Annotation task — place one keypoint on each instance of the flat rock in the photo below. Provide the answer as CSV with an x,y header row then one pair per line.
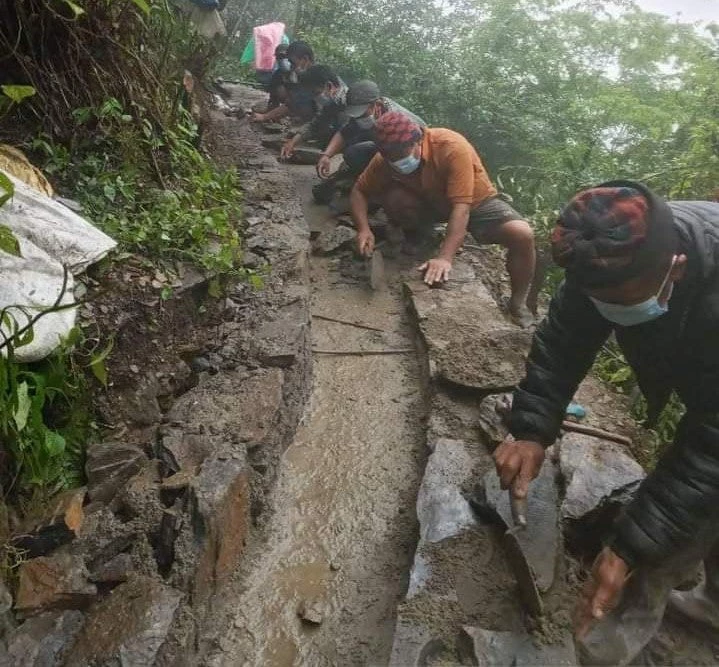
x,y
116,570
335,239
128,627
306,155
280,342
599,478
486,360
540,540
54,582
442,509
180,448
414,644
42,641
478,646
220,517
60,524
109,465
311,612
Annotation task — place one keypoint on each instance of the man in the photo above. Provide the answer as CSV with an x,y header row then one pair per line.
x,y
279,79
299,102
422,177
647,271
329,94
355,140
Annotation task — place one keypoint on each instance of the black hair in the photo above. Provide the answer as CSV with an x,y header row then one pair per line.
x,y
318,76
300,49
281,49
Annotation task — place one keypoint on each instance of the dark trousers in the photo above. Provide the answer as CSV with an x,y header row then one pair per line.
x,y
357,156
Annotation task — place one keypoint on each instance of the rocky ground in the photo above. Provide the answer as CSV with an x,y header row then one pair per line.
x,y
302,475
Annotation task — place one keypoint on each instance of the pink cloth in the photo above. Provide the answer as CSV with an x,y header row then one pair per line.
x,y
267,38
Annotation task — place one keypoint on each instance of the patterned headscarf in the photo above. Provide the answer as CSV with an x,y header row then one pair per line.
x,y
610,234
395,131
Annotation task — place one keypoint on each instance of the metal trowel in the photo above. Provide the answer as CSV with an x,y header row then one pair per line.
x,y
528,591
376,271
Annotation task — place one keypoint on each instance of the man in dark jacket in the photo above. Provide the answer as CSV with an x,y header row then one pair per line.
x,y
648,271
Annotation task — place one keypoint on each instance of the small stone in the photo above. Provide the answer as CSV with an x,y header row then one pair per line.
x,y
109,465
200,364
134,368
54,582
116,570
336,239
335,566
310,612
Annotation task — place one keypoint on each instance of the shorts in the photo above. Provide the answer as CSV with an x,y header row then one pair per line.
x,y
490,213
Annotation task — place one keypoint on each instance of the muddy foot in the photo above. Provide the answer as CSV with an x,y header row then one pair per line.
x,y
521,316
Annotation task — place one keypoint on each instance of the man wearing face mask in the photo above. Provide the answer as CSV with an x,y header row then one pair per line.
x,y
329,94
299,101
355,140
648,271
280,73
426,176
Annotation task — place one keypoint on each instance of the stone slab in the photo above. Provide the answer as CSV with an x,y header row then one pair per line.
x,y
442,509
109,465
596,473
128,627
41,641
540,540
479,646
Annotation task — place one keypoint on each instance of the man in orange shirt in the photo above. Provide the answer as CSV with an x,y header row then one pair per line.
x,y
421,177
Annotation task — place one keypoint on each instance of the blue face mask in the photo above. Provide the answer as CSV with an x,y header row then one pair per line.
x,y
406,165
639,313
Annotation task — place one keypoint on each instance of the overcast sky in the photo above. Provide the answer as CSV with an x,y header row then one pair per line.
x,y
688,10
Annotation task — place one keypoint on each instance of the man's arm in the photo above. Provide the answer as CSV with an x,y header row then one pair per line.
x,y
274,114
437,269
359,209
563,350
337,143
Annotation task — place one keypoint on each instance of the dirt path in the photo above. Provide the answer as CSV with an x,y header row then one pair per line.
x,y
344,528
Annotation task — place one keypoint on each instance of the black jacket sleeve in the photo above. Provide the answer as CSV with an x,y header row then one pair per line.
x,y
563,350
677,503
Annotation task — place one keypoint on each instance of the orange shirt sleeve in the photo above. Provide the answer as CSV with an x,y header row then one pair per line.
x,y
372,180
460,173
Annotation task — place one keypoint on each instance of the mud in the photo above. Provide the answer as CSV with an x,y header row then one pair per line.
x,y
343,528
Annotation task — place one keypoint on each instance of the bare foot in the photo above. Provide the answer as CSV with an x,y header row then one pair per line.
x,y
521,316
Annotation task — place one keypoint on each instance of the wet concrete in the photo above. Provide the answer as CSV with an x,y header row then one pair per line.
x,y
343,530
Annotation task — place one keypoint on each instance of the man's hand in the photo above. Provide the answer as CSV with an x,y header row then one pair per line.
x,y
602,592
257,117
288,149
518,462
324,166
436,270
365,242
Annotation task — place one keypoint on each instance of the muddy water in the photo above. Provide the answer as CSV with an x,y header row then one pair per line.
x,y
343,530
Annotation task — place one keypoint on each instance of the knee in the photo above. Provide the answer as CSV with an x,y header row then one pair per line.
x,y
518,235
358,156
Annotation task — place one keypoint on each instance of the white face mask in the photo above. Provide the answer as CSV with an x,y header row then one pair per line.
x,y
639,313
407,165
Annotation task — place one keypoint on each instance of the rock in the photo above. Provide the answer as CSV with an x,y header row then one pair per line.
x,y
492,410
42,641
539,541
311,612
140,496
441,508
129,627
335,239
478,646
170,525
219,508
305,155
7,620
486,360
200,364
174,486
116,570
280,342
59,526
414,644
109,465
599,478
54,582
181,449
462,272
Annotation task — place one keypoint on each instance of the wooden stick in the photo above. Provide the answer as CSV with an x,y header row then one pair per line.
x,y
363,353
348,322
597,432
